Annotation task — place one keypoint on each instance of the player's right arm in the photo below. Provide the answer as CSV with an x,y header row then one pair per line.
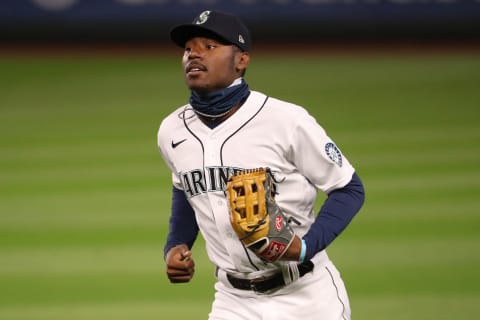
x,y
183,231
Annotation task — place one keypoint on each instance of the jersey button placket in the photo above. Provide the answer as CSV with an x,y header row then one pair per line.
x,y
211,153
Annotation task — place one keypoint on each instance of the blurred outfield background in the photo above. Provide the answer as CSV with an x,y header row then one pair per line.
x,y
85,196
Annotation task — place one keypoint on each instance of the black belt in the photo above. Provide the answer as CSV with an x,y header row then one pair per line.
x,y
264,284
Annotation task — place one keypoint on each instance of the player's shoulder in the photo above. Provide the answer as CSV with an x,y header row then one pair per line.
x,y
283,108
174,119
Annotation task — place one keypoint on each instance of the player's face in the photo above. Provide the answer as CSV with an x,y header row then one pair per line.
x,y
210,65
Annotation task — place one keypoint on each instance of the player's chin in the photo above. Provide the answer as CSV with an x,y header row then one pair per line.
x,y
198,86
194,77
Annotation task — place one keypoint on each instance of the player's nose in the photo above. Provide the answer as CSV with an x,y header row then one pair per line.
x,y
194,53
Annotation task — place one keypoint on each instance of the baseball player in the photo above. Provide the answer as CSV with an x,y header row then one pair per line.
x,y
226,131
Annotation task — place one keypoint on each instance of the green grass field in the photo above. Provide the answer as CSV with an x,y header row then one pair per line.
x,y
85,196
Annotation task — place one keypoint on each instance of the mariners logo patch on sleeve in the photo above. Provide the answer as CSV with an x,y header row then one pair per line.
x,y
334,153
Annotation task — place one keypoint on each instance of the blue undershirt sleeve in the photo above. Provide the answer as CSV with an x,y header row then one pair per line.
x,y
183,227
336,213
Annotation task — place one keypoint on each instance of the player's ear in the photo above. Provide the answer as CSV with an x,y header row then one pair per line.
x,y
242,61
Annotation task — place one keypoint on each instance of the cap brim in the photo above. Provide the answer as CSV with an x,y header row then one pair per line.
x,y
181,34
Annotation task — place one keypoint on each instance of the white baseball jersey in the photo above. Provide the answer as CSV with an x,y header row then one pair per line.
x,y
264,132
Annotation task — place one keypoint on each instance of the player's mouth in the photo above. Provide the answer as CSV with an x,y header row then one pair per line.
x,y
194,69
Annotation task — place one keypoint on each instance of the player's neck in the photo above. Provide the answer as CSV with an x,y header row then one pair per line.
x,y
215,107
212,122
218,103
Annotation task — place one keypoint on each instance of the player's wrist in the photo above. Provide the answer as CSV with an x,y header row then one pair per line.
x,y
303,251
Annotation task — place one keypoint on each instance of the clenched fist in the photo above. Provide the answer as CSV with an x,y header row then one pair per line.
x,y
180,265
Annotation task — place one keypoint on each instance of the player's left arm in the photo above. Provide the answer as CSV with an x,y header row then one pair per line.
x,y
322,162
335,215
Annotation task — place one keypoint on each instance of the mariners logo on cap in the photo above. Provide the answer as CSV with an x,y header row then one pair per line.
x,y
240,39
202,18
333,153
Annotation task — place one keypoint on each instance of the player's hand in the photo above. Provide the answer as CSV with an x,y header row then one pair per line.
x,y
180,265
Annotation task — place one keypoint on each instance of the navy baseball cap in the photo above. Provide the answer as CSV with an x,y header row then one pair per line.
x,y
222,26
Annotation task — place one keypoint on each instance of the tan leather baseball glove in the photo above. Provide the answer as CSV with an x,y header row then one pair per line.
x,y
255,216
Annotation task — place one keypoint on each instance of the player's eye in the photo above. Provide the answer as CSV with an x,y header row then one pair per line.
x,y
211,46
188,50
